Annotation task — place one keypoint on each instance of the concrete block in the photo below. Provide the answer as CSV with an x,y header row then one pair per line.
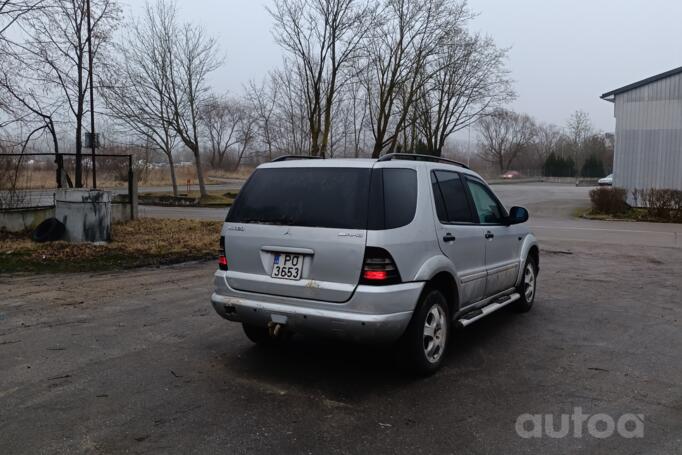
x,y
85,213
23,219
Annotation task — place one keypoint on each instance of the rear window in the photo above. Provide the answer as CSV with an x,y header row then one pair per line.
x,y
316,197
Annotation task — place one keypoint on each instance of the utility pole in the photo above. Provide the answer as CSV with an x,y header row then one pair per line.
x,y
93,137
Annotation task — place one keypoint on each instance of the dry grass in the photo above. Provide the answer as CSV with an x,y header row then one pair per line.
x,y
45,178
137,243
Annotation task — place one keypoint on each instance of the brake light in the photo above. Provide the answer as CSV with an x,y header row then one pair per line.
x,y
375,275
222,259
379,268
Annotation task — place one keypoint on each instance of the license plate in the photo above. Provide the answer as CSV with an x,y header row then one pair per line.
x,y
287,266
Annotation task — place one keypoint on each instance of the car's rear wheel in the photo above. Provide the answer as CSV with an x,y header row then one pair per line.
x,y
258,334
424,343
528,286
261,335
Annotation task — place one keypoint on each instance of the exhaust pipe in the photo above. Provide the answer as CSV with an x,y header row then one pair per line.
x,y
275,329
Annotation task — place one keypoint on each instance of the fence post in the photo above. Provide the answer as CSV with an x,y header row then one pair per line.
x,y
60,169
132,189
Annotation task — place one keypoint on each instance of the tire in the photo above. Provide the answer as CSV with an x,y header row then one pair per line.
x,y
48,231
258,334
423,352
528,287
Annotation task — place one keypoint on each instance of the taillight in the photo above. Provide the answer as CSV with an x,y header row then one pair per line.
x,y
379,268
222,259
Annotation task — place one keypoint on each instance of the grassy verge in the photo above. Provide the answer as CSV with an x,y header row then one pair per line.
x,y
144,242
192,199
634,214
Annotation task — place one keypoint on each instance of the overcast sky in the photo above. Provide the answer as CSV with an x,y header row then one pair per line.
x,y
564,53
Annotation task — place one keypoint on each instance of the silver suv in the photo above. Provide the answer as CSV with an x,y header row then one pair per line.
x,y
394,249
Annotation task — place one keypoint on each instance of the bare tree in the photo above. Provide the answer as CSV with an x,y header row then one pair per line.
x,y
292,126
221,118
193,56
579,129
405,35
135,88
56,49
468,80
246,132
547,141
356,111
25,104
263,101
505,135
579,126
12,11
322,37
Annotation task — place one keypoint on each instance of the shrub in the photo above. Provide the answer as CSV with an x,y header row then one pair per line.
x,y
610,201
662,204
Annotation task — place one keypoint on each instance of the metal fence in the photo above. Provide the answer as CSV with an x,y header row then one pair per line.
x,y
30,179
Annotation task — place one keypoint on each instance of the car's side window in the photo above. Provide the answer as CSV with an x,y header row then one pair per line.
x,y
452,205
488,209
400,196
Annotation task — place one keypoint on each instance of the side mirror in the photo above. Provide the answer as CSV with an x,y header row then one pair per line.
x,y
517,215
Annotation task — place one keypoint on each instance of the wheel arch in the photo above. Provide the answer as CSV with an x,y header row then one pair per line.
x,y
446,283
439,271
530,248
534,252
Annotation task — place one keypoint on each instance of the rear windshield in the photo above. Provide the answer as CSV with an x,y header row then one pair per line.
x,y
319,197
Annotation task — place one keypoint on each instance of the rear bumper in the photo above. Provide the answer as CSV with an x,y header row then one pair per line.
x,y
373,313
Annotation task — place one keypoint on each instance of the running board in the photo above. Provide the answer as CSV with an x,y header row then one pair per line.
x,y
475,315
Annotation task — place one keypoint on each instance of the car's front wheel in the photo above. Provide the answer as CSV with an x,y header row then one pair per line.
x,y
528,286
424,343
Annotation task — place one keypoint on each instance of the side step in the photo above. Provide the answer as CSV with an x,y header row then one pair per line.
x,y
475,315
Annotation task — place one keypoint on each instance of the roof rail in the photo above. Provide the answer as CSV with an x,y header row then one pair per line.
x,y
418,157
295,157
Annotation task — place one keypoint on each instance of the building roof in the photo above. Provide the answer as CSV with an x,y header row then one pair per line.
x,y
608,96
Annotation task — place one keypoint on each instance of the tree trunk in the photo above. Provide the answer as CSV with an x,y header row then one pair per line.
x,y
200,172
79,148
376,152
174,181
239,158
314,143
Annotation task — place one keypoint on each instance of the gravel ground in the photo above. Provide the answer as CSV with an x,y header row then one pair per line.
x,y
138,361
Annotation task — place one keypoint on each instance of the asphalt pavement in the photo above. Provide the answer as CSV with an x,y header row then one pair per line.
x,y
138,362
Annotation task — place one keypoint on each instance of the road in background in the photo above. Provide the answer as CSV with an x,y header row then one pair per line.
x,y
552,210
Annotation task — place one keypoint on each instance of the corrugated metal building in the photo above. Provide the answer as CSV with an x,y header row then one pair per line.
x,y
648,151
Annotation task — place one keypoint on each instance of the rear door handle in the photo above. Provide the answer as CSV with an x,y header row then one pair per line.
x,y
489,235
449,238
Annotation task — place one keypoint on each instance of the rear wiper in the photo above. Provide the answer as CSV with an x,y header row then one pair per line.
x,y
277,222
